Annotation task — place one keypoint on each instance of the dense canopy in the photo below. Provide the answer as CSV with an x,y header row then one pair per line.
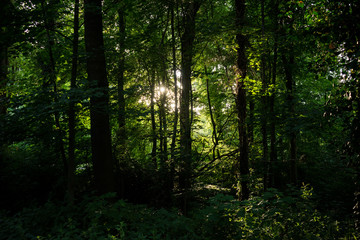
x,y
179,119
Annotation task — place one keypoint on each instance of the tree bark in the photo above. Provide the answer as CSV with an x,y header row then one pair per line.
x,y
120,88
3,78
99,100
163,128
176,113
264,100
187,40
241,68
215,138
164,85
49,27
288,65
273,153
153,122
72,111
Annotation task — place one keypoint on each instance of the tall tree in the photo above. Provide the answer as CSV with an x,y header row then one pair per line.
x,y
3,75
153,122
72,113
187,39
49,12
241,67
273,179
264,98
288,63
99,99
176,113
120,83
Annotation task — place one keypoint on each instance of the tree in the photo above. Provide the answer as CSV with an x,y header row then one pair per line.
x,y
72,120
99,110
120,83
242,161
187,40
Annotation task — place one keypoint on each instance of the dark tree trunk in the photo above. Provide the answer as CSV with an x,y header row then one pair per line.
x,y
187,40
153,122
163,121
174,131
72,111
99,100
121,94
274,178
241,67
274,168
121,135
163,86
355,136
49,27
215,138
5,41
251,120
264,99
3,78
288,65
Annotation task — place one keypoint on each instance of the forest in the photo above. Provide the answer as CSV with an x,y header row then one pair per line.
x,y
179,119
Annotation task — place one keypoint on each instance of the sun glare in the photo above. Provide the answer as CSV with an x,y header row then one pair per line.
x,y
178,73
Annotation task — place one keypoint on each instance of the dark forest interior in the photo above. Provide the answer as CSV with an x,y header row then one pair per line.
x,y
179,119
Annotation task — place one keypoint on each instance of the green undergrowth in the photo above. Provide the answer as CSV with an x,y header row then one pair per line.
x,y
274,215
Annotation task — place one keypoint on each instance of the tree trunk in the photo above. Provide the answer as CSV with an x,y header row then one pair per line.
x,y
99,100
3,78
215,138
49,27
163,86
273,153
174,132
241,67
264,99
288,65
187,40
153,122
250,126
121,95
163,128
72,113
273,171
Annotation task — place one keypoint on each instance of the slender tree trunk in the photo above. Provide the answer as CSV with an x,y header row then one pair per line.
x,y
273,153
241,67
251,120
274,175
72,113
49,27
4,7
99,101
163,128
174,132
288,65
164,84
187,40
5,40
213,123
356,145
3,78
120,88
264,99
153,122
121,135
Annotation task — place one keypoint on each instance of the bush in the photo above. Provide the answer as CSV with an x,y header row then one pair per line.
x,y
275,215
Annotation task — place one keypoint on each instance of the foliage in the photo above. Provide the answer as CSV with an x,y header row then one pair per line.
x,y
303,97
275,215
